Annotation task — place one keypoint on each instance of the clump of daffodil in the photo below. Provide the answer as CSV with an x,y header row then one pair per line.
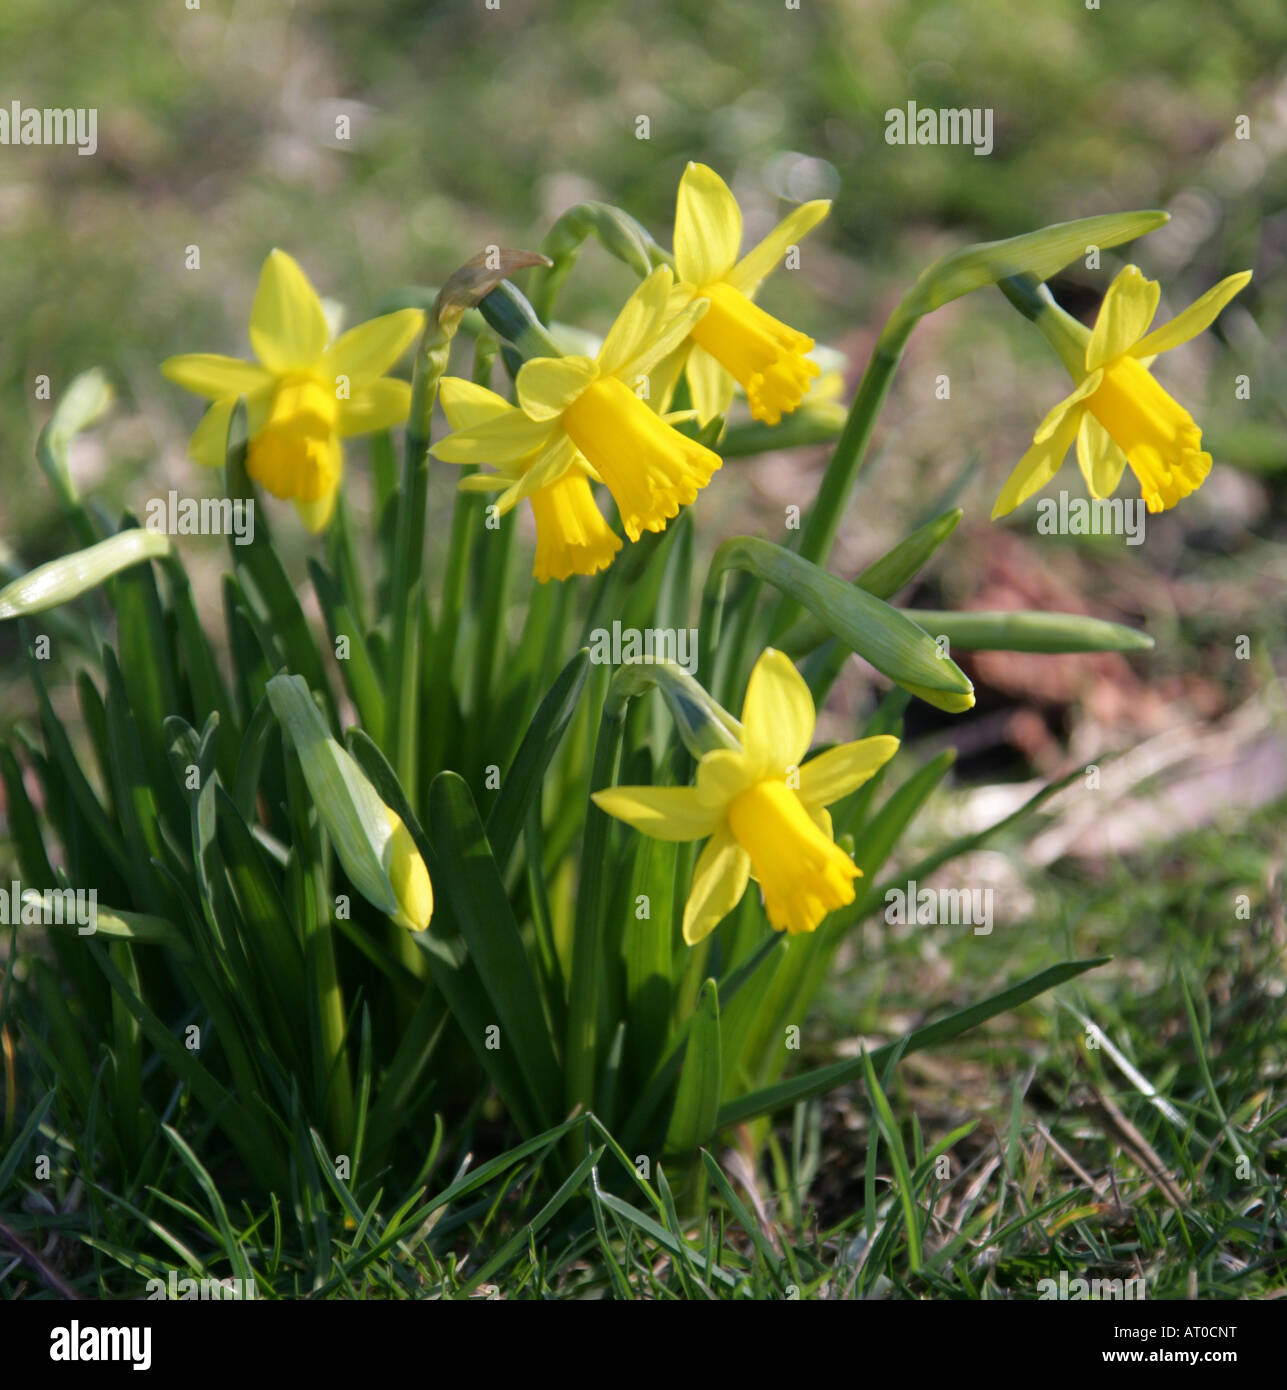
x,y
1117,413
736,341
591,407
409,877
765,813
304,394
571,535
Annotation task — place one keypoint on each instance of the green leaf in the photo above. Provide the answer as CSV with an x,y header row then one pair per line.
x,y
452,968
475,895
1031,632
923,868
266,588
359,673
898,1156
522,783
59,581
880,634
692,1121
823,1079
244,1130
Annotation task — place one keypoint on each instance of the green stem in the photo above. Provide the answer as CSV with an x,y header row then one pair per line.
x,y
851,449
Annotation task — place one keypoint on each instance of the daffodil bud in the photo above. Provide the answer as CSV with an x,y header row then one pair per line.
x,y
1040,254
949,701
370,840
409,877
61,580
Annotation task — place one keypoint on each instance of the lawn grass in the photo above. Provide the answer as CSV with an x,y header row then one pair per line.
x,y
1131,1127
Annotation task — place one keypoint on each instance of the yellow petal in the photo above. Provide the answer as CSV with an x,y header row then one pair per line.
x,y
546,386
545,468
638,320
287,323
502,439
659,347
215,377
665,813
778,716
843,769
466,404
722,775
708,226
209,442
317,515
484,482
719,881
1200,315
769,254
1036,468
710,383
664,377
370,349
1050,425
379,405
1124,316
1100,459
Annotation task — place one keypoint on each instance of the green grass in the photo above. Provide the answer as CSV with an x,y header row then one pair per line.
x,y
1056,1158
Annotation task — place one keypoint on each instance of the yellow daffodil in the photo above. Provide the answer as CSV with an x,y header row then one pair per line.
x,y
409,877
591,408
736,341
765,814
571,535
304,394
1118,414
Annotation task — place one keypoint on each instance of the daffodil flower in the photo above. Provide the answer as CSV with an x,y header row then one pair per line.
x,y
765,814
591,408
304,394
1118,414
571,535
736,341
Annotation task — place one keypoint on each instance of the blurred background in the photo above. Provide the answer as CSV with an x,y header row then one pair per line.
x,y
470,125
